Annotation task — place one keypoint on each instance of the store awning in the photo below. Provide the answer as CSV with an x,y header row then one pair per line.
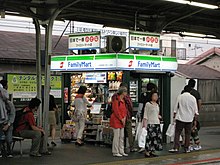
x,y
102,62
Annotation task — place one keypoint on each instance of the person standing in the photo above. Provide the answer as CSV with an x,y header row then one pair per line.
x,y
128,124
52,118
117,122
28,129
80,103
151,121
195,126
8,125
146,97
3,115
184,112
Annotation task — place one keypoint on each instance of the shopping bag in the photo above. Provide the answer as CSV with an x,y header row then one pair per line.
x,y
138,130
171,130
161,127
142,138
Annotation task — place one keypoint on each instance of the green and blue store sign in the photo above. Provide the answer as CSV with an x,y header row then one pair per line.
x,y
113,62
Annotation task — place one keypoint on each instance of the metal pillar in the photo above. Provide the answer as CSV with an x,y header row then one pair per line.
x,y
48,53
166,101
38,67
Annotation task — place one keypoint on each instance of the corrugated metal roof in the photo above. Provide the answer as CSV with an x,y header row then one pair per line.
x,y
197,72
16,45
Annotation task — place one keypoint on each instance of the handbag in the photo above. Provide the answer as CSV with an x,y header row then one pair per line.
x,y
142,138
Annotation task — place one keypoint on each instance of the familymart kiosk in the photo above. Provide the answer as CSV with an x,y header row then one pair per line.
x,y
102,74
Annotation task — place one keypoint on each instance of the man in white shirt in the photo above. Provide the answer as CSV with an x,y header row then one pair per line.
x,y
184,112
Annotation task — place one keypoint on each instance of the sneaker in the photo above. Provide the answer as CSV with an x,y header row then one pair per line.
x,y
124,154
35,155
173,150
46,153
198,147
187,150
53,144
191,148
133,150
117,155
9,156
141,150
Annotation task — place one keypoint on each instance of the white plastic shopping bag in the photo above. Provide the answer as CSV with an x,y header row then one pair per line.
x,y
161,127
142,138
138,130
171,130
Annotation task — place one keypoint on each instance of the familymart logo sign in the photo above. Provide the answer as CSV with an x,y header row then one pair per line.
x,y
148,62
113,62
82,64
149,65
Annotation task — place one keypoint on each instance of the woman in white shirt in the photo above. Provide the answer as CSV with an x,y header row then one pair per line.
x,y
151,122
80,113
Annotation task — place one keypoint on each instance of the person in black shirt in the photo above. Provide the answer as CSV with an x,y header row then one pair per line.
x,y
52,118
195,126
195,93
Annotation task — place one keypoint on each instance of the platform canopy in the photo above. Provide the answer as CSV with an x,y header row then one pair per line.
x,y
143,15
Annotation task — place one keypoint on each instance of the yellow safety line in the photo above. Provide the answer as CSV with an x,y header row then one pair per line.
x,y
148,160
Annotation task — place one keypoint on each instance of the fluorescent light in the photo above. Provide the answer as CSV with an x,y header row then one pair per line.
x,y
192,3
188,34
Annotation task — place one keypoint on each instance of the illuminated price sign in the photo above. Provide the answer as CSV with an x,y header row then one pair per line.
x,y
80,41
148,41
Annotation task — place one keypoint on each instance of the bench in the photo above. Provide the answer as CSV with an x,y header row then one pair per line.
x,y
18,139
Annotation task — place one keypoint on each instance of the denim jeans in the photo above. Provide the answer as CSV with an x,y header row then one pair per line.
x,y
8,139
2,136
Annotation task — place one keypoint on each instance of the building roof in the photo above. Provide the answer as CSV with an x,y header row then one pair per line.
x,y
197,72
204,56
21,46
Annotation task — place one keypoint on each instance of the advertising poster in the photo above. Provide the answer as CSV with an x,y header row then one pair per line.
x,y
25,86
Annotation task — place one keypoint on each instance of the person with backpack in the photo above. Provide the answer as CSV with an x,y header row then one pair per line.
x,y
8,125
118,121
28,129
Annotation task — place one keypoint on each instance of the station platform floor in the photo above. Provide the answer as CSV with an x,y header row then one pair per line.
x,y
69,154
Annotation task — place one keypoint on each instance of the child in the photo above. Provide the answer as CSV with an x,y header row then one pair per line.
x,y
195,136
